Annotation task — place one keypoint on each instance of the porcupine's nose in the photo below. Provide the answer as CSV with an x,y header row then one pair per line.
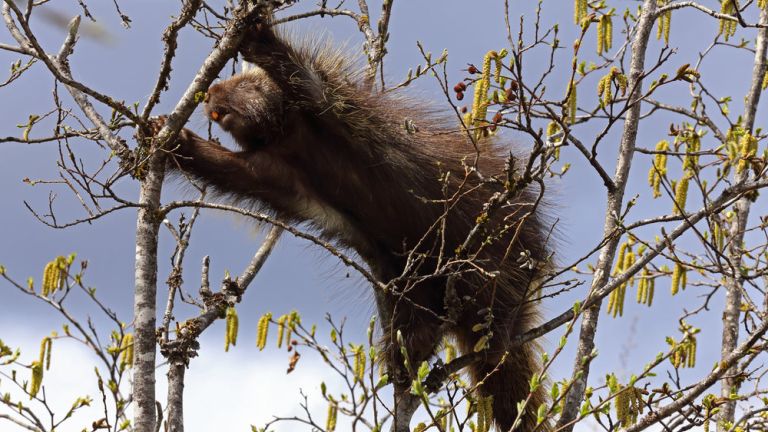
x,y
209,102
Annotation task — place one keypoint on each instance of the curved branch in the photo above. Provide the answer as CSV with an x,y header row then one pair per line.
x,y
170,36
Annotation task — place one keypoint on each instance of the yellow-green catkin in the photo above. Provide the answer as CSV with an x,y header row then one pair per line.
x,y
690,360
663,23
45,352
620,259
628,404
37,378
605,86
646,287
621,402
727,27
488,401
718,236
290,325
679,278
571,104
359,362
747,150
659,167
762,4
604,91
281,329
683,353
629,260
552,129
765,77
480,102
333,412
499,65
605,32
624,260
579,10
681,194
676,356
126,351
480,414
692,147
233,324
616,300
54,275
732,147
262,329
484,407
709,403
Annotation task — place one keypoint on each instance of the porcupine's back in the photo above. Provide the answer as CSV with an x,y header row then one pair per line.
x,y
402,178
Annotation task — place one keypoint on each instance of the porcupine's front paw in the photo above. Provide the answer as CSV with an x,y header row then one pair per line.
x,y
181,147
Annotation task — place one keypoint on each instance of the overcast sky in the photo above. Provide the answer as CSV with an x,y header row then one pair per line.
x,y
299,276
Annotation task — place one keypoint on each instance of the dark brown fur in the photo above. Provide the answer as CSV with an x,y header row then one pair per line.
x,y
317,147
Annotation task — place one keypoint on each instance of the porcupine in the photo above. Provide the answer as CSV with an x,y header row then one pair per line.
x,y
386,176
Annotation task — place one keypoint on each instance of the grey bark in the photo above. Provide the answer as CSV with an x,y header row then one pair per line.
x,y
734,282
176,371
728,362
181,349
150,217
145,295
589,320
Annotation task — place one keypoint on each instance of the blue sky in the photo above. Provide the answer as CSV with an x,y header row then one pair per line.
x,y
298,275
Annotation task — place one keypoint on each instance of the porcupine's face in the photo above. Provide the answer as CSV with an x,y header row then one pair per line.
x,y
248,105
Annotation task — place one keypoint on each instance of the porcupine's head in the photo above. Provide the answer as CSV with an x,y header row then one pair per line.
x,y
248,105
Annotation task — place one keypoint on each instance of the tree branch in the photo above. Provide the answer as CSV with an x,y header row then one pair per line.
x,y
615,203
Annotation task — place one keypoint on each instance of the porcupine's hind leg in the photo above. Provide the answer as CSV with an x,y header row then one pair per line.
x,y
418,322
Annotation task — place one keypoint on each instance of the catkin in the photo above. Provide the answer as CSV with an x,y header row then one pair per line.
x,y
747,150
727,27
126,351
54,275
679,278
45,352
692,147
480,102
333,411
572,103
645,288
624,260
579,10
231,328
658,168
664,22
262,329
681,194
605,33
360,362
37,379
281,329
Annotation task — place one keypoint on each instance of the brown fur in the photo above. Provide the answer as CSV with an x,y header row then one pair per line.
x,y
317,147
